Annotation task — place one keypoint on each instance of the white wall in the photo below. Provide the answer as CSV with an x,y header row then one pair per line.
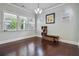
x,y
77,23
65,29
10,36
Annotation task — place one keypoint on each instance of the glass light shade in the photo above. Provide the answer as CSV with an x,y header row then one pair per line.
x,y
38,10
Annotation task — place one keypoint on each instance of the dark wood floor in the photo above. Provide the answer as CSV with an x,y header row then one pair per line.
x,y
36,47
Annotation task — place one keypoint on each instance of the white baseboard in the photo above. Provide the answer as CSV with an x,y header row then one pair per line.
x,y
68,41
15,39
38,35
65,41
78,45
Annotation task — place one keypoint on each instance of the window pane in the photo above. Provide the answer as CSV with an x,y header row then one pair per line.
x,y
23,22
0,20
32,23
26,23
10,21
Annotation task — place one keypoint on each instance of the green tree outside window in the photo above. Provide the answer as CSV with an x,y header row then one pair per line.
x,y
13,24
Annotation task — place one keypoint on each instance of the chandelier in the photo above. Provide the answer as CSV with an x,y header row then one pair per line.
x,y
38,10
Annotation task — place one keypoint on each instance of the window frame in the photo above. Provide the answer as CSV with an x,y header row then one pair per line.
x,y
28,23
5,29
17,26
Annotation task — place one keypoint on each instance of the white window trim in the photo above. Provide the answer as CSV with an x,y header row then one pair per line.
x,y
4,25
12,30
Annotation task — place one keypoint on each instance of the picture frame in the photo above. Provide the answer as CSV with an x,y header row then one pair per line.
x,y
50,18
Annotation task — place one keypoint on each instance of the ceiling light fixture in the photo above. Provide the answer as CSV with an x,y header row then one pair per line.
x,y
38,10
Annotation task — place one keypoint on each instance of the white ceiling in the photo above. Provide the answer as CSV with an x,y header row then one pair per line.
x,y
32,6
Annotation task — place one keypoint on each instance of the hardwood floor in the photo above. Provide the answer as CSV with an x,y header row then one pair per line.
x,y
36,47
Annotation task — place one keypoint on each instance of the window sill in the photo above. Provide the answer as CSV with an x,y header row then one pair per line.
x,y
17,30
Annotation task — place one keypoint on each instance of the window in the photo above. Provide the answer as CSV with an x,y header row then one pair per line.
x,y
26,23
10,21
13,22
0,20
0,26
32,23
23,22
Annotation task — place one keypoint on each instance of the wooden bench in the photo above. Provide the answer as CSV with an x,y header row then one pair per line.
x,y
52,38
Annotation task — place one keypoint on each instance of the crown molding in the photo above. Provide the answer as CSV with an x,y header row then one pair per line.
x,y
20,8
59,5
